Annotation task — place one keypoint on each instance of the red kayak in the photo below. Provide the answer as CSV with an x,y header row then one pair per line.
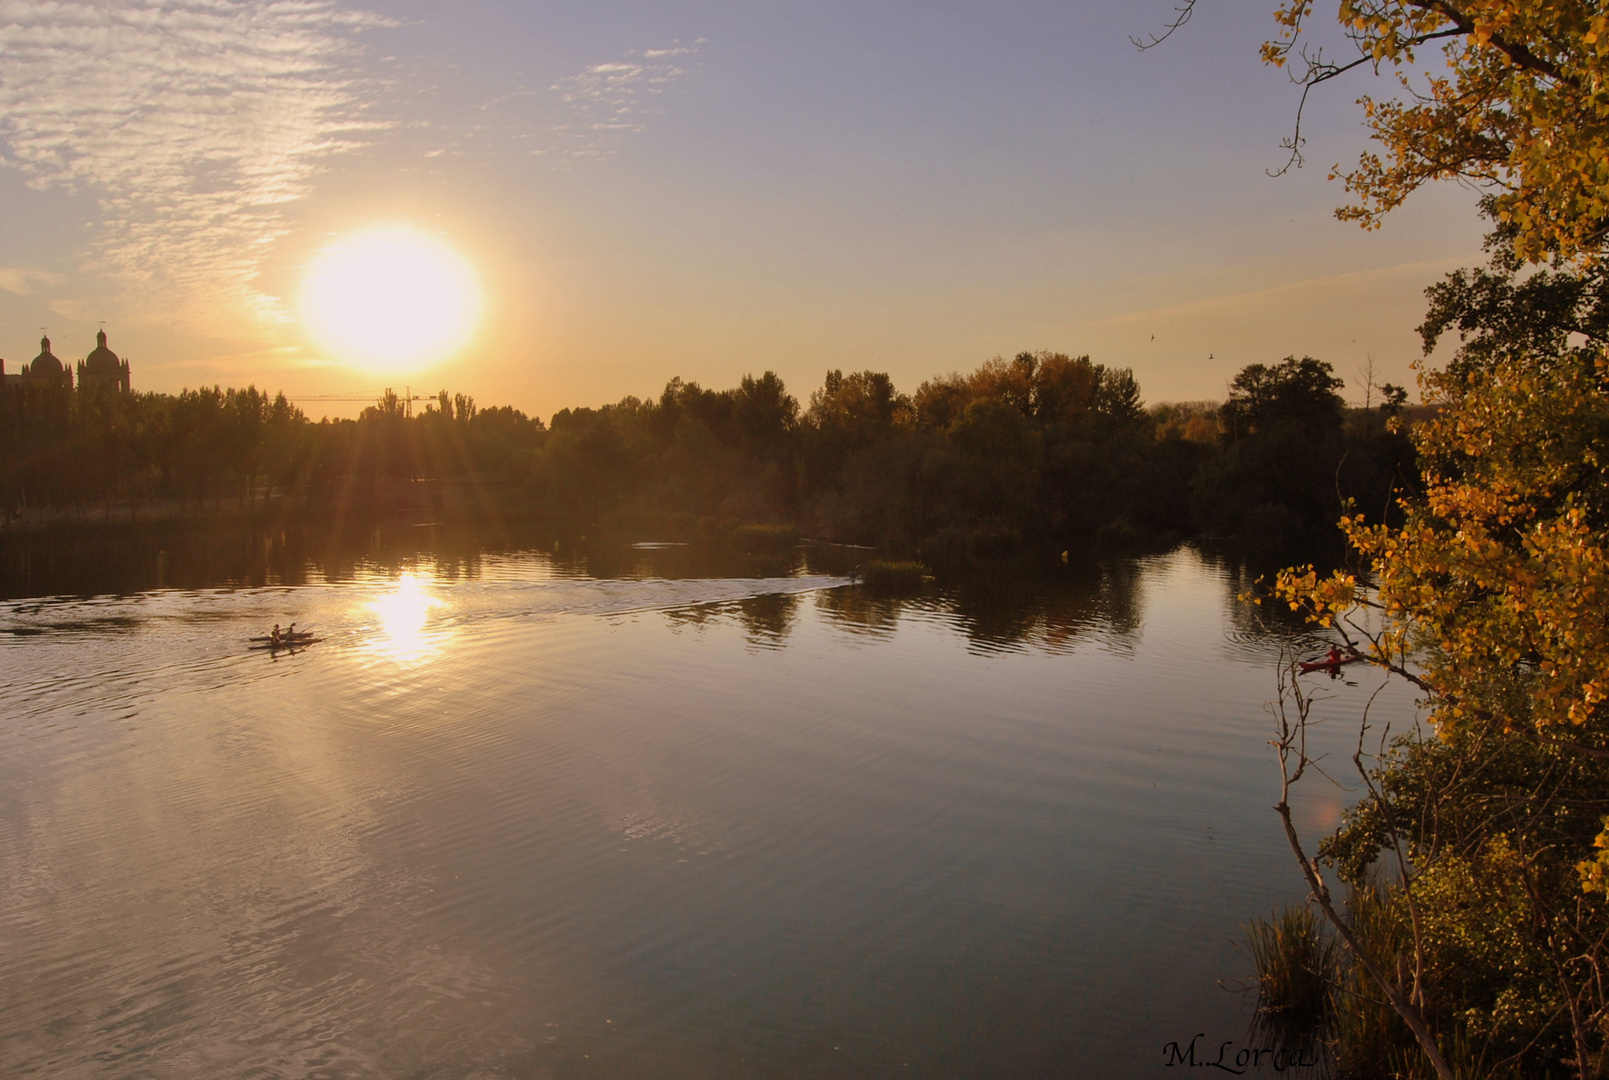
x,y
1328,664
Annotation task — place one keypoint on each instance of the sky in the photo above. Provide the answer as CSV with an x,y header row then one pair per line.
x,y
693,188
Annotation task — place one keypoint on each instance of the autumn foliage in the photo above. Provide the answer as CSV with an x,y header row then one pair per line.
x,y
1511,96
1479,855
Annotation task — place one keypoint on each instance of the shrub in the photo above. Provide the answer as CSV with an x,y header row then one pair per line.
x,y
894,576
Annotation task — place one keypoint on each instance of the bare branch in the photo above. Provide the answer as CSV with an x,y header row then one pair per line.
x,y
1377,654
1320,70
1404,867
1181,15
1291,742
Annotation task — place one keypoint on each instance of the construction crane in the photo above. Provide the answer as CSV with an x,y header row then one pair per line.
x,y
407,397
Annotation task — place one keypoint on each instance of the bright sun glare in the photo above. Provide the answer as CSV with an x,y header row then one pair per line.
x,y
390,300
403,616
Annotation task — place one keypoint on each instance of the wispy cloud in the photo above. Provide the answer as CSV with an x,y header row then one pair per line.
x,y
1287,295
22,280
192,122
607,102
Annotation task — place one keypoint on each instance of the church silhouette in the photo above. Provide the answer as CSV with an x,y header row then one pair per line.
x,y
101,368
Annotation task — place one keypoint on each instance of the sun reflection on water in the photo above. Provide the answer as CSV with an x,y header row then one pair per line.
x,y
405,618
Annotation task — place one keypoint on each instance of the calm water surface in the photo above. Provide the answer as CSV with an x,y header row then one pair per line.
x,y
517,820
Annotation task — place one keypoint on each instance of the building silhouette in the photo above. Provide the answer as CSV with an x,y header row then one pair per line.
x,y
101,368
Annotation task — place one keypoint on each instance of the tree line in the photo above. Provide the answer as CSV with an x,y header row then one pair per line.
x,y
1039,451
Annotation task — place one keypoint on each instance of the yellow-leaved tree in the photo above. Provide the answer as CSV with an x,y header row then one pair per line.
x,y
1487,940
1509,94
1495,592
1499,579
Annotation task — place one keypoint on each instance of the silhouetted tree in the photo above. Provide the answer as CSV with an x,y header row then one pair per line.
x,y
1301,392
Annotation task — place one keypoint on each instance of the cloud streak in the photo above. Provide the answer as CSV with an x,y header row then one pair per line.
x,y
191,122
609,101
1287,295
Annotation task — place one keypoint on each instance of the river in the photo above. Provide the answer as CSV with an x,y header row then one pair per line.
x,y
519,814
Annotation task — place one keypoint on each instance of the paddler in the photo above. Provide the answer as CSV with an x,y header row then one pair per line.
x,y
273,637
1334,659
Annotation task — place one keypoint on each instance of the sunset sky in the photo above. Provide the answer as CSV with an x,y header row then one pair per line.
x,y
637,190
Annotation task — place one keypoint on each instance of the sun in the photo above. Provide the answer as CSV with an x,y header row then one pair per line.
x,y
390,300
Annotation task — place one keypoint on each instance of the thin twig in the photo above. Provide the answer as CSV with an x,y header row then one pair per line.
x,y
1293,739
1181,15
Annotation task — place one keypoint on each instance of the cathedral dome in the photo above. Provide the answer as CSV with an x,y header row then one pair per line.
x,y
45,363
103,362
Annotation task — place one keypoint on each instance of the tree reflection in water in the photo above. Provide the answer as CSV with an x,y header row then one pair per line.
x,y
137,559
767,619
1054,611
861,611
1004,607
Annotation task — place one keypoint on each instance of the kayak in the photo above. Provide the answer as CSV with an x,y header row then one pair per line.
x,y
295,643
1328,665
300,635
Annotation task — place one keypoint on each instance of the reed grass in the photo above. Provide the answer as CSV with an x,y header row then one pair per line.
x,y
1299,967
1314,998
892,575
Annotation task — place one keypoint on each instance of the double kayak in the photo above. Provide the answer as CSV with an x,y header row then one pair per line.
x,y
283,643
1326,664
291,640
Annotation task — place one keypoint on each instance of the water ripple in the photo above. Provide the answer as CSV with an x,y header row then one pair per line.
x,y
527,826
